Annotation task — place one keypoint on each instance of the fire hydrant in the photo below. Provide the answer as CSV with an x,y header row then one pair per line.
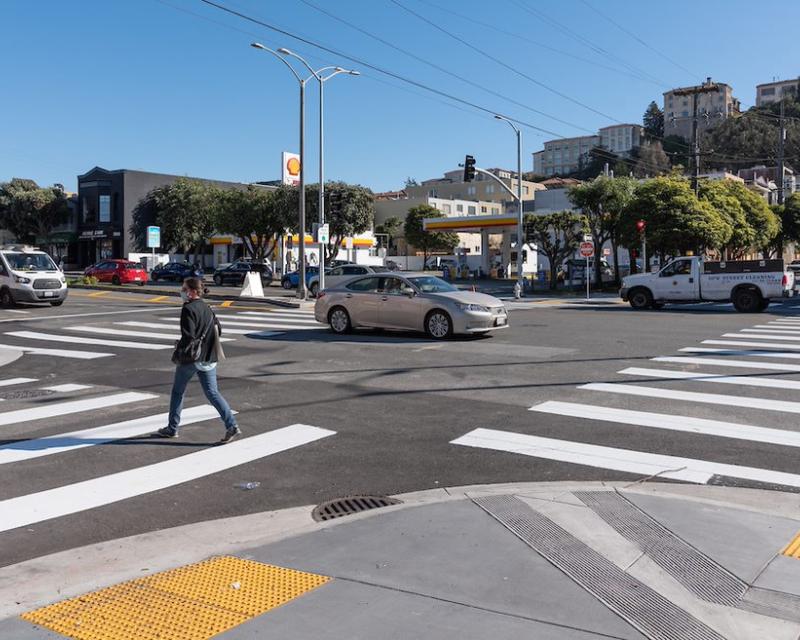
x,y
517,290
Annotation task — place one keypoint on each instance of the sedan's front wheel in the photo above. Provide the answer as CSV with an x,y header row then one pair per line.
x,y
339,320
438,325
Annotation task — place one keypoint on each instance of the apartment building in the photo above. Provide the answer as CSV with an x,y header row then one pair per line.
x,y
774,91
713,107
452,187
564,156
621,139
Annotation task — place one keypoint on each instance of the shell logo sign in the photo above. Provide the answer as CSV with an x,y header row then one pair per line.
x,y
290,168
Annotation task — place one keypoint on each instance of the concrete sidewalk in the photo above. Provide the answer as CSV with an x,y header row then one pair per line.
x,y
545,561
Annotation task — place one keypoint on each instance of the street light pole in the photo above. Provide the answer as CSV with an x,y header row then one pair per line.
x,y
520,221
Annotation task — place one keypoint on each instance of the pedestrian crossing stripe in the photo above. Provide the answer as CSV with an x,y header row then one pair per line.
x,y
63,442
35,335
231,330
758,336
67,388
784,406
97,492
624,460
718,362
227,325
743,352
747,381
740,343
8,382
776,327
135,334
670,422
72,406
270,317
58,353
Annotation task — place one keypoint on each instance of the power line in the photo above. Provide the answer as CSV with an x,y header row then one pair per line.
x,y
518,36
638,39
368,65
448,72
501,62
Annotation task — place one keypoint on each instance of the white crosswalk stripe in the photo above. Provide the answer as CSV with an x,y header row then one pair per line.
x,y
719,362
74,498
231,330
742,343
746,333
270,317
35,335
135,334
57,353
743,352
746,381
56,410
261,325
625,460
67,388
670,422
8,382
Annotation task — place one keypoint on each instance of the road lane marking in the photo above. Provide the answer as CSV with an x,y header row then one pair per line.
x,y
784,406
34,335
12,381
72,406
135,334
271,318
58,353
288,312
66,388
740,343
226,304
154,325
775,327
671,422
758,336
715,362
227,325
744,352
624,460
28,449
98,294
97,492
158,299
745,381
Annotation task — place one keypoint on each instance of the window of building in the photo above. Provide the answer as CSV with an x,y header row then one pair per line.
x,y
685,103
471,210
459,207
484,209
526,190
495,211
685,114
770,91
446,208
489,188
471,191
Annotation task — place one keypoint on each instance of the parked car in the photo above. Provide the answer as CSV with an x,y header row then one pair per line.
x,y
236,272
337,275
30,275
438,263
175,271
414,301
292,279
118,272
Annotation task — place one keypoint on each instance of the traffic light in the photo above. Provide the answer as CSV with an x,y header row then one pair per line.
x,y
640,226
469,169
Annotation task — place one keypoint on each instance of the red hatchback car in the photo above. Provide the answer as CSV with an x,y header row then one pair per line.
x,y
118,272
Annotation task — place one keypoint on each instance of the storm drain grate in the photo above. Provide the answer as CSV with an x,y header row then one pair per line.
x,y
350,505
697,572
647,610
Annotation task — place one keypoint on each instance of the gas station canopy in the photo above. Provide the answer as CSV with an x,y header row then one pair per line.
x,y
469,224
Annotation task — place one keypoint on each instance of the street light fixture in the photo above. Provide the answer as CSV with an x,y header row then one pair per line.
x,y
322,77
520,242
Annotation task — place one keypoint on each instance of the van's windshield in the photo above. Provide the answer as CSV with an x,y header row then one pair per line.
x,y
29,261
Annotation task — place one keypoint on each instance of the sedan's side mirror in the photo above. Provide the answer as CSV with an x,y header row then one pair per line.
x,y
409,292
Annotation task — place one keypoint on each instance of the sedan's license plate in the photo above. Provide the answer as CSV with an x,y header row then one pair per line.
x,y
499,322
49,294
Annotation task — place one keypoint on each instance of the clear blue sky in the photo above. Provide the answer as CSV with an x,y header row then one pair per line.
x,y
144,84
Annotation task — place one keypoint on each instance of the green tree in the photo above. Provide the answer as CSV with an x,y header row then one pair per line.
x,y
677,221
29,211
653,121
392,227
425,240
556,236
602,201
253,215
789,215
727,205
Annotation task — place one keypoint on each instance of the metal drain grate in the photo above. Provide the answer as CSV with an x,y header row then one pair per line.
x,y
350,505
647,610
694,570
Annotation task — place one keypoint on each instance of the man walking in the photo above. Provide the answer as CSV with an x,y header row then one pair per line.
x,y
200,331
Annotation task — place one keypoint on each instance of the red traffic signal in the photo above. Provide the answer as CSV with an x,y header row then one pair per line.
x,y
640,225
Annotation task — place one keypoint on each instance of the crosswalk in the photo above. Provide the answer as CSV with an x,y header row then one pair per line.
x,y
107,338
49,430
676,394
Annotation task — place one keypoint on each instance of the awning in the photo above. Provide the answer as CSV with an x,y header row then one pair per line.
x,y
469,223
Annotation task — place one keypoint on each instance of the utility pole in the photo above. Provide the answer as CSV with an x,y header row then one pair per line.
x,y
706,87
781,143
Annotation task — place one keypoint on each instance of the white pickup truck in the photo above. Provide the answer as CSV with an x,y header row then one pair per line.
x,y
749,284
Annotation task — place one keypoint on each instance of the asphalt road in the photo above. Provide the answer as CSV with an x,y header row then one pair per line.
x,y
394,402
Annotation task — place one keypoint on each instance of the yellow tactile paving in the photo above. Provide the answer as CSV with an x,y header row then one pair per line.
x,y
793,548
195,602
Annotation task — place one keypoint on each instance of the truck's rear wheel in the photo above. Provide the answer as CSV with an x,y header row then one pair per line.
x,y
640,298
748,300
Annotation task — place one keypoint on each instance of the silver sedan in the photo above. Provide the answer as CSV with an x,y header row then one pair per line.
x,y
415,302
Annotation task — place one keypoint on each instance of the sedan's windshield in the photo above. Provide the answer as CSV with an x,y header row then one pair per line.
x,y
29,261
432,284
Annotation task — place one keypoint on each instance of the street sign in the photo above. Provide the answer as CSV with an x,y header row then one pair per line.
x,y
323,234
587,249
587,237
606,251
153,237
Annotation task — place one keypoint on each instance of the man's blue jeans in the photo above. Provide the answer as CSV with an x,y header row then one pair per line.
x,y
208,380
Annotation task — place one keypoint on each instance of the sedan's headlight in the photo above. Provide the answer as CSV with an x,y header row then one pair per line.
x,y
472,307
21,280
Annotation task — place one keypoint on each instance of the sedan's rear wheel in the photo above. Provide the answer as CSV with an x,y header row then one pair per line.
x,y
218,280
286,283
339,320
438,325
116,281
314,289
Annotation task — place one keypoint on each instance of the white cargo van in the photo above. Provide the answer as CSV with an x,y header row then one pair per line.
x,y
749,284
30,275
